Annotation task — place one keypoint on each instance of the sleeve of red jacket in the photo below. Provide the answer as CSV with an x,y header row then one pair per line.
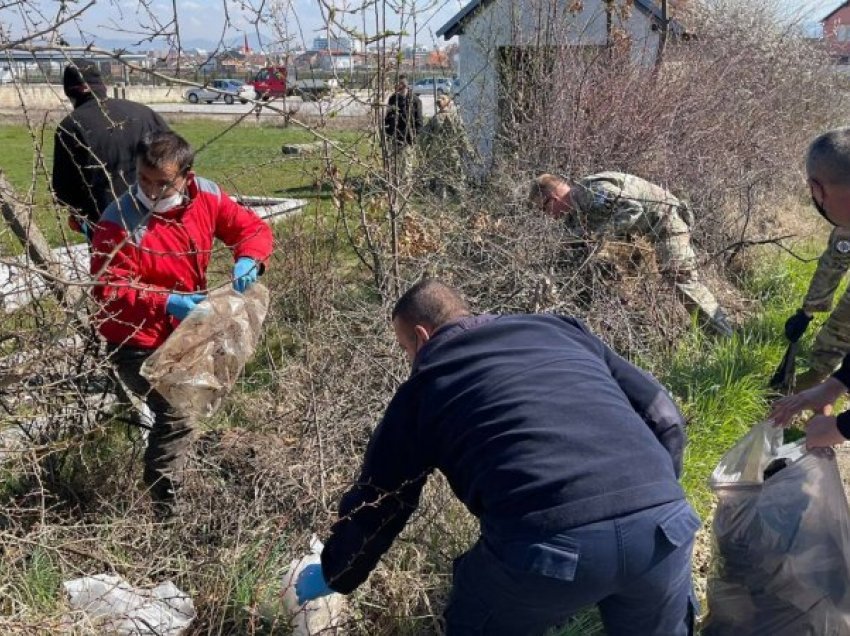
x,y
118,289
245,233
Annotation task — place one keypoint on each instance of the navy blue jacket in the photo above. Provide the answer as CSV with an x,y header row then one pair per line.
x,y
536,424
94,153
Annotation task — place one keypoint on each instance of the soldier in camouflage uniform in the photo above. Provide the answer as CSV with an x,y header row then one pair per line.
x,y
445,150
615,203
833,339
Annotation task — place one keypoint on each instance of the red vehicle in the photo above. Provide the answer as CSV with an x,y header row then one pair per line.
x,y
270,82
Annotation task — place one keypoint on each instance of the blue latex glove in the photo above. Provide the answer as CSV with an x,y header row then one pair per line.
x,y
311,584
87,230
245,272
179,305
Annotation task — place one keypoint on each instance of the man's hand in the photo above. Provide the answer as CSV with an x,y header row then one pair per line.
x,y
311,584
819,398
245,272
822,432
796,325
179,305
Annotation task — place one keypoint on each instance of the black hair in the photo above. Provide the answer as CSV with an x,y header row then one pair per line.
x,y
828,159
160,149
432,303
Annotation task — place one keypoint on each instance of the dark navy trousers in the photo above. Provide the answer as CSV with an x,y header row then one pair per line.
x,y
636,569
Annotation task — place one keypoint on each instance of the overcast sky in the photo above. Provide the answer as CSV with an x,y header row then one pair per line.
x,y
205,19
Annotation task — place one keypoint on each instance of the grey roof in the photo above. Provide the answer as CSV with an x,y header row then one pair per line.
x,y
455,25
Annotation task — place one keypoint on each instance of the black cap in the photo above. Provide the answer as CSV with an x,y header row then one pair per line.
x,y
82,76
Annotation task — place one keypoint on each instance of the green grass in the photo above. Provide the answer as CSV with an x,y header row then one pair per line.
x,y
722,384
244,160
33,582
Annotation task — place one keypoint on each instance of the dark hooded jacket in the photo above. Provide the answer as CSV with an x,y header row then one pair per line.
x,y
94,154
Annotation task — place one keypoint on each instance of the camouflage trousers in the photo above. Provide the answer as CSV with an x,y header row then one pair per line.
x,y
833,340
678,261
401,157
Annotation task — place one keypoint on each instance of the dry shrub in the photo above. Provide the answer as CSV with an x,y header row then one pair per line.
x,y
724,122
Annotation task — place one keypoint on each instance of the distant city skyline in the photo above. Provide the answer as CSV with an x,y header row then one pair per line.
x,y
202,23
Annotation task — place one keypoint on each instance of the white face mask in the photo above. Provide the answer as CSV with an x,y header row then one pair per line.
x,y
160,205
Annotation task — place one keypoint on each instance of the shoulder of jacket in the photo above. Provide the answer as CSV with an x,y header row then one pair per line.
x,y
68,125
205,186
127,213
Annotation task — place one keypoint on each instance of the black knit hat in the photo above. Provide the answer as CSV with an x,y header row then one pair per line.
x,y
82,76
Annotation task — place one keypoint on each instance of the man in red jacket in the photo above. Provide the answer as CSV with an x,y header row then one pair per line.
x,y
150,254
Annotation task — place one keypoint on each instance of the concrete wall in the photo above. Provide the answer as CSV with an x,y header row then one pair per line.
x,y
50,96
529,23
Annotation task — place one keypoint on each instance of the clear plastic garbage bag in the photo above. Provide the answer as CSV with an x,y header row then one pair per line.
x,y
319,616
781,531
199,363
118,608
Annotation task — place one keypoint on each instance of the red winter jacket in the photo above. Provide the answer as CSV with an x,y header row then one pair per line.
x,y
138,258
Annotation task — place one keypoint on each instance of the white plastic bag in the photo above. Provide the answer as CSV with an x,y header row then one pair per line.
x,y
319,616
118,608
199,363
781,560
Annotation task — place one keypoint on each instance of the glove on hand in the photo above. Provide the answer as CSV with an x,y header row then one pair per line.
x,y
245,272
796,325
311,584
87,230
179,305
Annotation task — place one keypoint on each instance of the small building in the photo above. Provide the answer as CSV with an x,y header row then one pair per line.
x,y
836,32
342,44
47,66
497,38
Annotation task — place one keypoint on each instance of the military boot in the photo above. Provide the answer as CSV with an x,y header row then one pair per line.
x,y
720,324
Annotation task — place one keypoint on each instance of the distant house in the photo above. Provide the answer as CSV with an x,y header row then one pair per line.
x,y
342,44
41,66
326,60
496,37
836,32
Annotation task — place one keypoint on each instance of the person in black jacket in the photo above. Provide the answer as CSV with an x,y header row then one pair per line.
x,y
568,455
94,159
401,125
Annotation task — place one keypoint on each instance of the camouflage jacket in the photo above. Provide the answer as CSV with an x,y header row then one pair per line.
x,y
832,265
618,203
444,145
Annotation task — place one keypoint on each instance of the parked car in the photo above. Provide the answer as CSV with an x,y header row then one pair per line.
x,y
431,85
228,90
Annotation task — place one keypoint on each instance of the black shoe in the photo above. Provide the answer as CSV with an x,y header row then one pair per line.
x,y
720,324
